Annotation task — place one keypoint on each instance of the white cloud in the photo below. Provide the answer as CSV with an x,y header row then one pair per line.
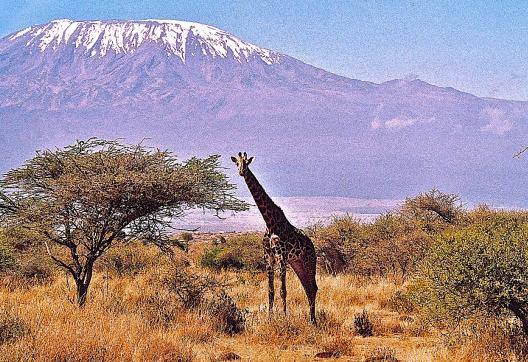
x,y
398,122
498,121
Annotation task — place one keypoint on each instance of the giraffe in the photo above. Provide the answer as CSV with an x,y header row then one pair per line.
x,y
282,241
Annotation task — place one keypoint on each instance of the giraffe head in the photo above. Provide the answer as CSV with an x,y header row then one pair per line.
x,y
242,162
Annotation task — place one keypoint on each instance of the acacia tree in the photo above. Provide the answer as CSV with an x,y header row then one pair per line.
x,y
85,198
433,210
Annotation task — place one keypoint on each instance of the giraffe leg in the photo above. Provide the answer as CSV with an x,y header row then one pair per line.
x,y
306,273
311,297
270,266
271,287
283,282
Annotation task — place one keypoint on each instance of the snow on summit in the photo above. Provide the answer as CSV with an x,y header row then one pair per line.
x,y
98,38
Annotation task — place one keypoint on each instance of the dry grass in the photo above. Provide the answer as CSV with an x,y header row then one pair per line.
x,y
129,317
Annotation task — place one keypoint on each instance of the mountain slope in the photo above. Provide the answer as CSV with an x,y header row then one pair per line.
x,y
65,64
197,89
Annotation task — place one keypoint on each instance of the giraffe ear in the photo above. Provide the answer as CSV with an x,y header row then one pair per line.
x,y
250,159
233,158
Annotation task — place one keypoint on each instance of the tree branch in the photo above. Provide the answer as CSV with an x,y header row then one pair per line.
x,y
519,153
58,261
6,204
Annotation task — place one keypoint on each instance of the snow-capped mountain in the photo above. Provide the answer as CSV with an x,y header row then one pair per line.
x,y
76,64
177,38
67,64
197,89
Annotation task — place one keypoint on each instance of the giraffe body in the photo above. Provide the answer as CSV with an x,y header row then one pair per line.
x,y
282,241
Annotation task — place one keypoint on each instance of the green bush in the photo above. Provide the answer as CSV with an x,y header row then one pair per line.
x,y
241,251
129,260
402,302
21,255
222,258
210,260
391,245
394,246
362,324
7,257
481,269
433,210
339,243
190,287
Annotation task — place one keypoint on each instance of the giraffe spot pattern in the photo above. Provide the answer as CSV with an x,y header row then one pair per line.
x,y
282,239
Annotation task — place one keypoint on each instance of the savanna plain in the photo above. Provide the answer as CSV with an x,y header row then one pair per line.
x,y
206,302
90,272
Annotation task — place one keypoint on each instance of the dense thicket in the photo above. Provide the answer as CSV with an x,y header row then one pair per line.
x,y
393,244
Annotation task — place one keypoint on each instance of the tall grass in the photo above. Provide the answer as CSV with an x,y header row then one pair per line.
x,y
133,317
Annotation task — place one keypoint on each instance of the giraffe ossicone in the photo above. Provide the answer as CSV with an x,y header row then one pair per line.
x,y
281,241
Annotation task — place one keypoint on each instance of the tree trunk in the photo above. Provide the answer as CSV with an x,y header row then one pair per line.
x,y
82,291
521,311
83,282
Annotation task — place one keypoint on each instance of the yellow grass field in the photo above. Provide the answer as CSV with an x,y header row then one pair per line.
x,y
130,318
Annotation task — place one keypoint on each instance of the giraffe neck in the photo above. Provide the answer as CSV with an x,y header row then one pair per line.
x,y
271,213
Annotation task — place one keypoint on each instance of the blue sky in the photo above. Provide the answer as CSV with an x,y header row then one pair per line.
x,y
475,46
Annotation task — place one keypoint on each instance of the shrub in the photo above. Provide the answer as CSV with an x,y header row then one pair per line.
x,y
393,244
331,257
7,257
186,236
157,309
480,269
489,339
222,258
228,317
401,302
181,241
345,229
11,327
33,270
218,240
190,288
484,215
21,256
242,251
433,210
362,324
128,259
21,239
337,244
209,259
